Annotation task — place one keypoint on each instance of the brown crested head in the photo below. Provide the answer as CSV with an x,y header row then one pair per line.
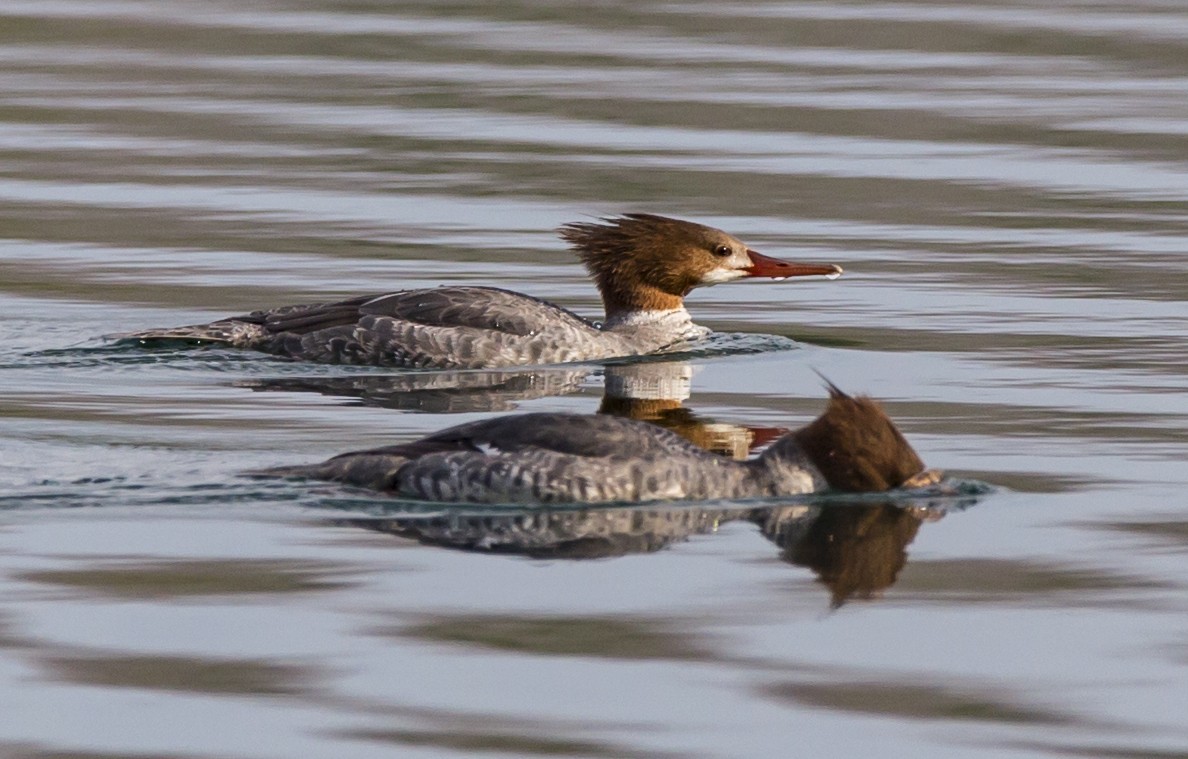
x,y
856,446
644,262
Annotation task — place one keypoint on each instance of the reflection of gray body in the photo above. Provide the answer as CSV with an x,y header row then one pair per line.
x,y
579,534
650,391
856,549
440,392
556,458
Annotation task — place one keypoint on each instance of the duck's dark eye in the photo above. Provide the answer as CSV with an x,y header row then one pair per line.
x,y
723,251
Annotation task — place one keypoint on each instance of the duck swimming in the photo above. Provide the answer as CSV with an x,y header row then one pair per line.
x,y
643,266
546,458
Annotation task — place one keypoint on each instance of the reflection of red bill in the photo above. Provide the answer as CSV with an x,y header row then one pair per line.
x,y
924,479
761,436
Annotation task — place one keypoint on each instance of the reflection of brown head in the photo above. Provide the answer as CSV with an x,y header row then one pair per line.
x,y
732,440
855,549
856,446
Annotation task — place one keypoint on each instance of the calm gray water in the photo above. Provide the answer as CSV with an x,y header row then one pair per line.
x,y
1006,184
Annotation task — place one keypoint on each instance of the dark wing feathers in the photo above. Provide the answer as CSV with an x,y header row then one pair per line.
x,y
478,307
313,317
446,327
556,457
378,468
415,449
569,434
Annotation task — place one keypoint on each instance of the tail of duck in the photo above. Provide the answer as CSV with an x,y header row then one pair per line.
x,y
229,332
378,468
856,446
376,471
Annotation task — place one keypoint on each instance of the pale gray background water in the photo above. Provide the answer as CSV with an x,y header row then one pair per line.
x,y
1006,184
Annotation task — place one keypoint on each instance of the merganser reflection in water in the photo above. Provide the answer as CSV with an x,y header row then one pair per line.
x,y
649,390
855,548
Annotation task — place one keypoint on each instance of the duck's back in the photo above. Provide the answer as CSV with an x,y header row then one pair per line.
x,y
446,327
540,458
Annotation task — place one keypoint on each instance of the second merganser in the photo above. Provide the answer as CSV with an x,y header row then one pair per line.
x,y
643,265
545,458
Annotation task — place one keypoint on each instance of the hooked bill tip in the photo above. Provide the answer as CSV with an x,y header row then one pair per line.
x,y
774,268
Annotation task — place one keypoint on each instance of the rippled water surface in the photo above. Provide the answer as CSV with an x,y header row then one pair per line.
x,y
1005,183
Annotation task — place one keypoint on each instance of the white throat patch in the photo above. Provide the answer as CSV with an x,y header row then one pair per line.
x,y
718,276
675,317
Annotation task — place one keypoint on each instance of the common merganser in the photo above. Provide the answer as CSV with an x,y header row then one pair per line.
x,y
643,265
572,458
